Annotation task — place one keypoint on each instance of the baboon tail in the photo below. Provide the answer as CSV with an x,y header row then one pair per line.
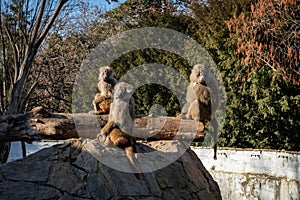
x,y
134,163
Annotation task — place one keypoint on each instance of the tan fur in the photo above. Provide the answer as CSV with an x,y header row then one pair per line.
x,y
119,126
105,86
122,112
124,141
104,106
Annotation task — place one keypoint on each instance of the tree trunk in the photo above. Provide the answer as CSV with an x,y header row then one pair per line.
x,y
40,124
35,36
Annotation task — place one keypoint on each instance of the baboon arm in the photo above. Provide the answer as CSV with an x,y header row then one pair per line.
x,y
109,126
185,109
190,95
99,98
103,135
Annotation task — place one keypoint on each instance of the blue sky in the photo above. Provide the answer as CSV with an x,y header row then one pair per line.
x,y
103,3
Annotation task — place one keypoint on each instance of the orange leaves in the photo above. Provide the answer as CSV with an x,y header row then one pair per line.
x,y
268,36
252,8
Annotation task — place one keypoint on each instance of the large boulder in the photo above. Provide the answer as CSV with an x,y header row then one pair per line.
x,y
70,171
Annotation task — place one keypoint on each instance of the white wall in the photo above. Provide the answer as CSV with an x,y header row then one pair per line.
x,y
16,149
254,174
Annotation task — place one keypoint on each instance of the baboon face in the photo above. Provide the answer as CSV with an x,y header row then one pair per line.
x,y
105,73
199,74
123,91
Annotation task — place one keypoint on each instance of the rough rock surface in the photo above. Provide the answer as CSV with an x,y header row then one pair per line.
x,y
69,171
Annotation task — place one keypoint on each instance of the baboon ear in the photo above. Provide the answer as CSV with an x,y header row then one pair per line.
x,y
111,72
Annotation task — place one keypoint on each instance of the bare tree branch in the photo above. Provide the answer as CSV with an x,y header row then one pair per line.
x,y
12,44
38,22
24,41
51,21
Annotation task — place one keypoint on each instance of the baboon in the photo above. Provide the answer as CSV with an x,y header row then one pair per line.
x,y
105,85
120,123
122,112
201,99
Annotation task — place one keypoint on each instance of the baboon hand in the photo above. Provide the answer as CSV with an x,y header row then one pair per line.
x,y
101,137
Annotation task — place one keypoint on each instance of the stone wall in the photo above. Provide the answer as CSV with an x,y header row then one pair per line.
x,y
254,174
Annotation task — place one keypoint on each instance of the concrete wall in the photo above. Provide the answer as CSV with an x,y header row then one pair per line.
x,y
254,174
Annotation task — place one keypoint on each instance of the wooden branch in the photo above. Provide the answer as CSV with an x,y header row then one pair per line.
x,y
16,128
29,93
168,128
38,22
40,124
13,46
50,22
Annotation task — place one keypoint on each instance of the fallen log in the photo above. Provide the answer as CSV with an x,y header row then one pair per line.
x,y
39,124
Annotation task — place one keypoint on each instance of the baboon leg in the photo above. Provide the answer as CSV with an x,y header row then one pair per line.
x,y
102,111
194,111
185,110
98,99
214,124
96,107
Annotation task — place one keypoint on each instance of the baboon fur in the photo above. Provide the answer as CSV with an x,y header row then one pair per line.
x,y
120,124
105,85
201,99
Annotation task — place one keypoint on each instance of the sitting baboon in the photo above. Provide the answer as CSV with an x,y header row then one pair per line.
x,y
120,123
201,101
105,85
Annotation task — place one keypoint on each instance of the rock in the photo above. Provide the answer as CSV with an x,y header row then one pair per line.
x,y
71,171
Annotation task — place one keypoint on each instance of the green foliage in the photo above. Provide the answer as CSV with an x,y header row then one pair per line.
x,y
264,114
261,112
150,94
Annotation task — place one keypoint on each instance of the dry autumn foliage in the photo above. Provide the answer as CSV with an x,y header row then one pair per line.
x,y
270,37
